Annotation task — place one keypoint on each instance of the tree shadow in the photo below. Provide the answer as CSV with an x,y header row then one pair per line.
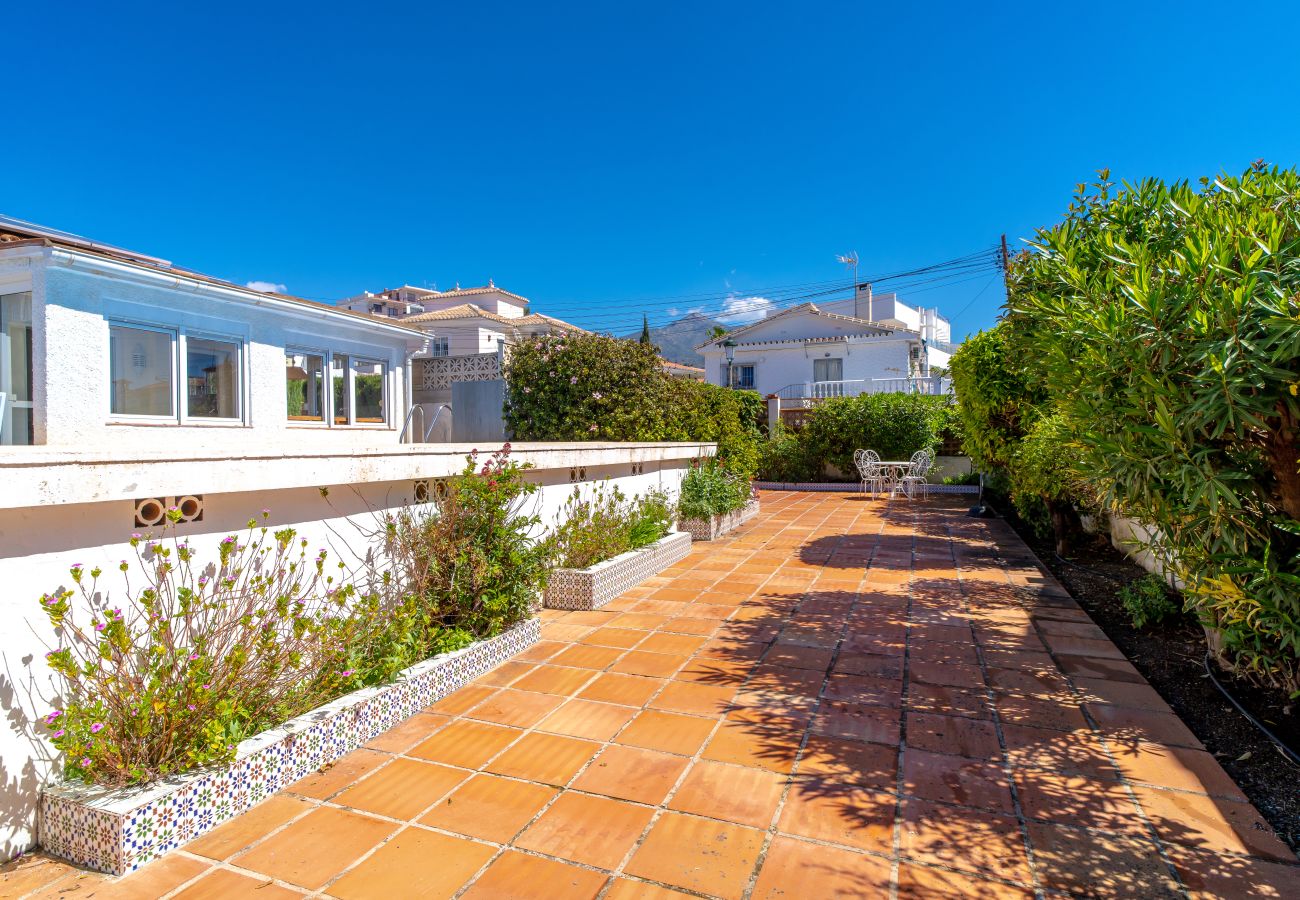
x,y
1000,750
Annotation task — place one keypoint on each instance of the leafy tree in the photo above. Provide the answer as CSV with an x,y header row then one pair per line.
x,y
645,330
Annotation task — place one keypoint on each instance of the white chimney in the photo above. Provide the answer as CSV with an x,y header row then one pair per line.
x,y
862,303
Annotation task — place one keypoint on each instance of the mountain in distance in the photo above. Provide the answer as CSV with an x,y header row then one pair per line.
x,y
678,339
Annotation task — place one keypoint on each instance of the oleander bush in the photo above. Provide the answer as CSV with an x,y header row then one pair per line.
x,y
167,664
1163,321
709,489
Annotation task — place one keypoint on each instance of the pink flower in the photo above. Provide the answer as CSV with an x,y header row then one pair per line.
x,y
207,687
85,761
49,720
192,707
58,734
593,427
573,379
597,395
193,656
99,626
346,673
97,728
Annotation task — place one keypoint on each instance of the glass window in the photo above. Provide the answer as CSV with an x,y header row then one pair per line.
x,y
212,378
368,392
828,370
305,386
440,346
140,371
16,368
339,381
744,377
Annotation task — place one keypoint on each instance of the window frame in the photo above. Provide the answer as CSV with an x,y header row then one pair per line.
x,y
384,404
327,388
241,389
172,418
739,377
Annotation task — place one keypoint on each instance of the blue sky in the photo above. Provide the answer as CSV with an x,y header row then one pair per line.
x,y
609,159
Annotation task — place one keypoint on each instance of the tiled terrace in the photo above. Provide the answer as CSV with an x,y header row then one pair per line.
x,y
842,700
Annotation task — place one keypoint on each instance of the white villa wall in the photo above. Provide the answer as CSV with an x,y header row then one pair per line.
x,y
64,507
71,309
779,365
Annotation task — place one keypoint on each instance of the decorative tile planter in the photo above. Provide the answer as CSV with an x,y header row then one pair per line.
x,y
594,587
716,526
117,831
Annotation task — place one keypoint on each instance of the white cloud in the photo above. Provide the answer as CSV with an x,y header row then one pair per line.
x,y
673,311
744,310
266,287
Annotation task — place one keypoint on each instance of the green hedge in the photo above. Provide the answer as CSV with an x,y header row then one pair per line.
x,y
597,388
894,425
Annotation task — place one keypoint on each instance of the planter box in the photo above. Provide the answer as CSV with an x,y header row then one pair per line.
x,y
119,830
716,526
594,587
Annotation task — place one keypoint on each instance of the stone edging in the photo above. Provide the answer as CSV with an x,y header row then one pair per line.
x,y
850,487
593,587
119,830
716,526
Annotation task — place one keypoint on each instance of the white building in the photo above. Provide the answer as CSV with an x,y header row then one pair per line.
x,y
142,386
832,350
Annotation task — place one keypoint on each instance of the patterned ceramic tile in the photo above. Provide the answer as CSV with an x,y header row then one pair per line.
x,y
119,831
594,587
716,527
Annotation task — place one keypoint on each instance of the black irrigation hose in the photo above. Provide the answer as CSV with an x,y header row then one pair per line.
x,y
1277,741
1263,729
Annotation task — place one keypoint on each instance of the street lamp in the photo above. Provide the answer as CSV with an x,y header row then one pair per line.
x,y
729,347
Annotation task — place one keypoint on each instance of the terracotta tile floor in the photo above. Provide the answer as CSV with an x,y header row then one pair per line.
x,y
841,699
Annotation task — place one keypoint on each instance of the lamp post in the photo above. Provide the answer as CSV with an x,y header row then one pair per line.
x,y
729,347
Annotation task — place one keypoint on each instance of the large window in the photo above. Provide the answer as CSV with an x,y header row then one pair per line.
x,y
141,365
742,377
305,386
368,392
828,370
212,378
16,406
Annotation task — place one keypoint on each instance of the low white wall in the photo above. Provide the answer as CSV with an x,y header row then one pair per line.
x,y
1134,539
59,508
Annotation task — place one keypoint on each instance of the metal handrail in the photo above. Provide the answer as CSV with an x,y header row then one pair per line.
x,y
428,431
406,425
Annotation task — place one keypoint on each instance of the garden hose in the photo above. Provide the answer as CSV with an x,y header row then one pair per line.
x,y
1277,741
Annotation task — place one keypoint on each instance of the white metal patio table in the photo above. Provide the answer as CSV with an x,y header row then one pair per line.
x,y
894,470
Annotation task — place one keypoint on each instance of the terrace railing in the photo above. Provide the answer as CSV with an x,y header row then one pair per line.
x,y
933,385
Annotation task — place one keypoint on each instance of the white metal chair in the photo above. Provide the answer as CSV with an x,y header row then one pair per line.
x,y
914,480
870,470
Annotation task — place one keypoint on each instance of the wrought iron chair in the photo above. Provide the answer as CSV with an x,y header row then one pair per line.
x,y
914,480
870,470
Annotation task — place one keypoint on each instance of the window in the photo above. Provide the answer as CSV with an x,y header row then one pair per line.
x,y
440,346
16,405
368,392
340,395
828,370
742,377
305,386
212,378
141,365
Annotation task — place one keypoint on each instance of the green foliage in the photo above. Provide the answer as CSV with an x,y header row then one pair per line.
x,y
709,489
200,655
1164,320
597,388
967,478
1148,601
602,523
996,403
894,425
786,458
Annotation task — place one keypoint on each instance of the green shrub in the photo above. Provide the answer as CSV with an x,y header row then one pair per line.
x,y
709,489
652,518
1164,320
996,402
602,523
966,478
1148,601
786,458
894,425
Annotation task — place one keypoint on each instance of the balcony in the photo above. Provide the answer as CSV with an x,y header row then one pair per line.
x,y
931,385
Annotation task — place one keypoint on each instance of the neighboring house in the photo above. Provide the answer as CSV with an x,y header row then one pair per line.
x,y
677,370
811,351
101,346
394,303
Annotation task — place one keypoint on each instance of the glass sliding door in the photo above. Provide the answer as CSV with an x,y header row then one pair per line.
x,y
16,406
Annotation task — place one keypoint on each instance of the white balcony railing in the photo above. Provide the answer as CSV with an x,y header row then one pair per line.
x,y
934,385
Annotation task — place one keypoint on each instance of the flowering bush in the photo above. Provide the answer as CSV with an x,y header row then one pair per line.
x,y
708,490
602,526
196,658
